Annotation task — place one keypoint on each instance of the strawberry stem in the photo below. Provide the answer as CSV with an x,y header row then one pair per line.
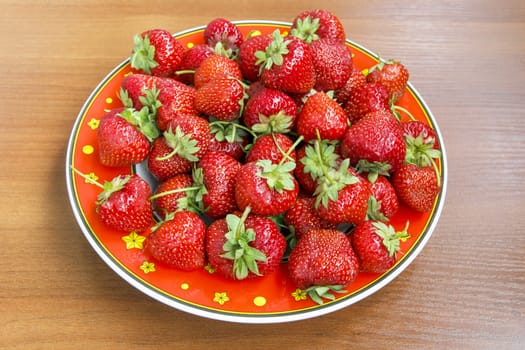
x,y
395,108
178,190
88,178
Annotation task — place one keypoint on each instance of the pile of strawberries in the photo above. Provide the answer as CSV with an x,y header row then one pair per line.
x,y
265,147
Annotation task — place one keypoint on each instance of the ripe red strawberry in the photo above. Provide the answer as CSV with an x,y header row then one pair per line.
x,y
342,196
191,60
383,204
417,187
311,25
156,52
377,140
247,59
244,247
216,66
221,98
228,138
218,178
392,75
302,217
376,245
357,78
332,62
122,136
184,143
165,97
270,110
274,147
178,241
321,117
268,189
365,99
222,31
173,194
287,64
306,182
417,128
124,203
323,260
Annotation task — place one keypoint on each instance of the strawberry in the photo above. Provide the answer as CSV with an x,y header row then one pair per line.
x,y
156,52
124,135
229,138
416,128
178,241
273,147
218,178
377,245
270,110
376,142
123,204
332,62
356,79
322,261
244,247
342,196
312,25
184,143
175,194
417,187
302,217
321,117
364,99
165,97
222,98
227,34
247,59
268,189
191,60
216,66
305,180
422,146
383,204
392,75
287,65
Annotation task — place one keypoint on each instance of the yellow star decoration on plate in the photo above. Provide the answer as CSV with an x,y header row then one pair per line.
x,y
221,298
210,269
134,240
93,123
91,176
299,295
147,267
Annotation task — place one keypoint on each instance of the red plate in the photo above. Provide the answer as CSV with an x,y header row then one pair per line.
x,y
269,299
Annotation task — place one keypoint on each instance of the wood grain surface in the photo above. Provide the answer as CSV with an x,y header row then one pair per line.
x,y
464,291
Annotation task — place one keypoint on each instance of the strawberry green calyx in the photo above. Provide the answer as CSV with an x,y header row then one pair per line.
x,y
238,249
143,56
229,131
274,52
167,217
306,29
125,99
318,293
422,153
143,120
374,169
373,211
279,123
331,182
150,99
278,176
182,144
391,238
320,155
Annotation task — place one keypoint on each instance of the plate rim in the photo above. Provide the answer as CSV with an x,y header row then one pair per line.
x,y
252,318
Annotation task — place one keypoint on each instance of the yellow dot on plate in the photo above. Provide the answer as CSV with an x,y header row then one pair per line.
x,y
185,286
259,301
284,33
190,45
365,71
87,149
254,33
109,100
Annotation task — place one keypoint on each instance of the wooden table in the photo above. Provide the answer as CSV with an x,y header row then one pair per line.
x,y
464,291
